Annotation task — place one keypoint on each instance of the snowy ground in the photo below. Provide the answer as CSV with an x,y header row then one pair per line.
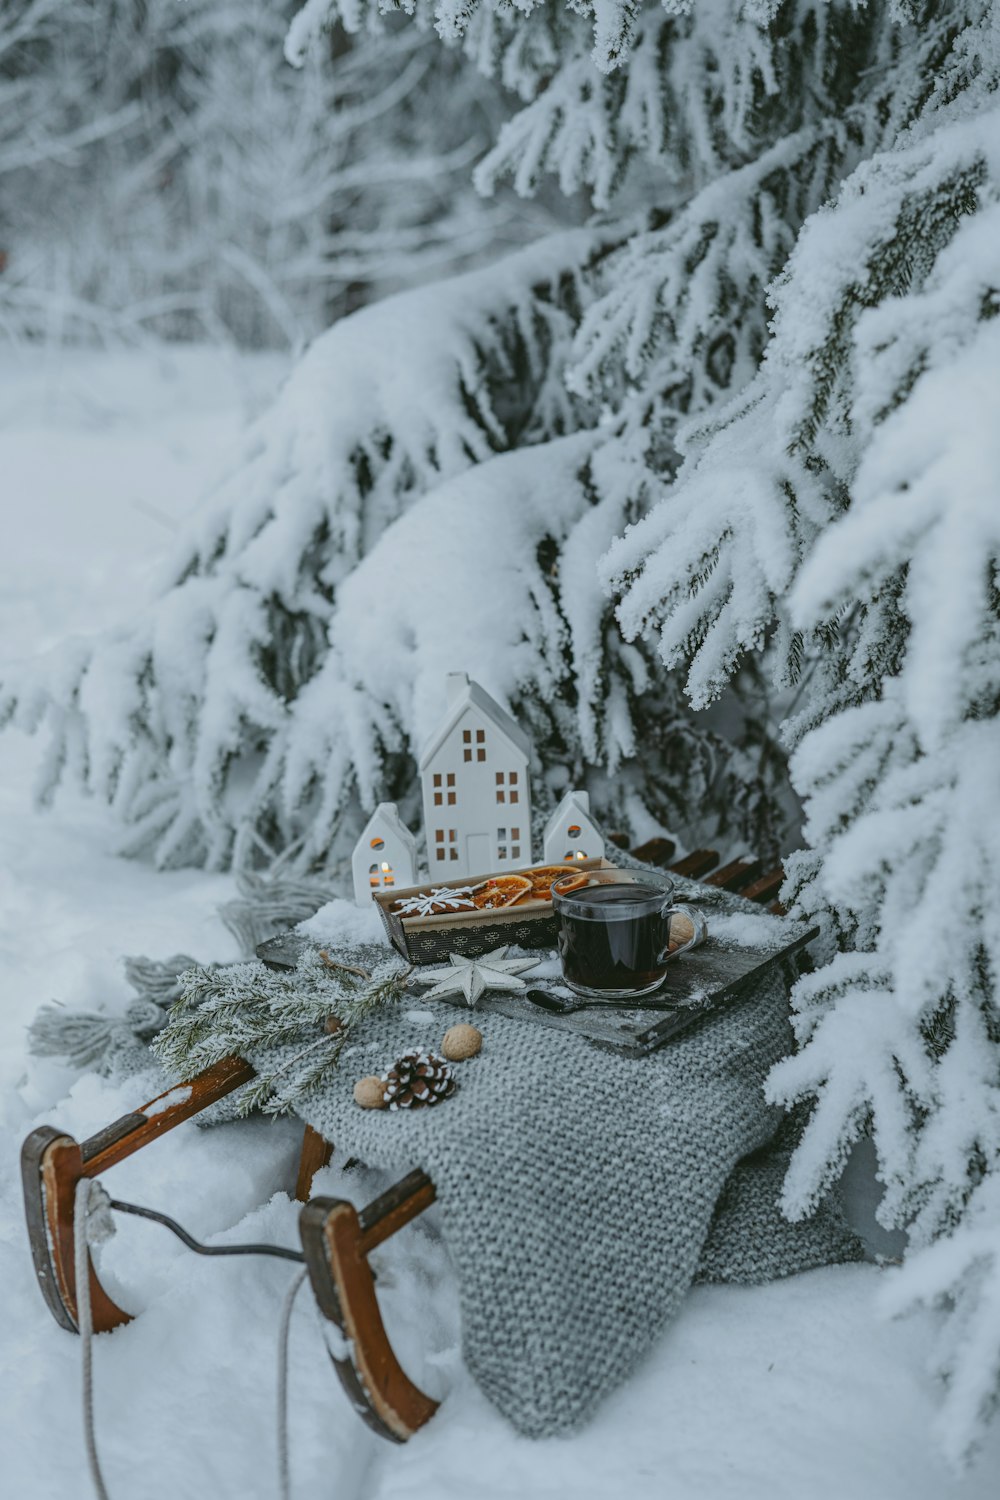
x,y
795,1391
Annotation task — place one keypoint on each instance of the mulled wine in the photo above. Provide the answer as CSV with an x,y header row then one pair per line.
x,y
613,934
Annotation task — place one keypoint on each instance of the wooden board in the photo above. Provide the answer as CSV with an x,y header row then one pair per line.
x,y
695,982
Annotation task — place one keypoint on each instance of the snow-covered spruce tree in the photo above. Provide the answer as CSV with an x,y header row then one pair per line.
x,y
234,718
393,519
845,507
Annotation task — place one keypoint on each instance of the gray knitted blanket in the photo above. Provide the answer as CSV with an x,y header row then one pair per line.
x,y
581,1192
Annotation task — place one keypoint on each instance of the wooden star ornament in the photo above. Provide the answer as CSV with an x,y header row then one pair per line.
x,y
472,977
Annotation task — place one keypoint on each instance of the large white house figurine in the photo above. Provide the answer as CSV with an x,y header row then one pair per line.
x,y
570,834
384,856
477,799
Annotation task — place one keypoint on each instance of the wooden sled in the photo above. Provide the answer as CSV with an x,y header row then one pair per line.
x,y
336,1237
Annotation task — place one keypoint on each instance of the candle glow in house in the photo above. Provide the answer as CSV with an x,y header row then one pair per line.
x,y
476,792
385,856
571,834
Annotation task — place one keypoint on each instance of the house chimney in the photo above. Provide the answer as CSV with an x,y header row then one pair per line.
x,y
456,684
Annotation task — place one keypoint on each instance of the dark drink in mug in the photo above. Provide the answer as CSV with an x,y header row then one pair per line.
x,y
614,933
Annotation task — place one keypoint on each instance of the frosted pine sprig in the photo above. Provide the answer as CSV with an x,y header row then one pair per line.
x,y
248,1010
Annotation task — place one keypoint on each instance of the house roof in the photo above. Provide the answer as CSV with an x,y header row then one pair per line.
x,y
578,800
573,798
388,814
471,695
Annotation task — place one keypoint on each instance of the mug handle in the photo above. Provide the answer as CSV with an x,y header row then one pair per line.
x,y
699,935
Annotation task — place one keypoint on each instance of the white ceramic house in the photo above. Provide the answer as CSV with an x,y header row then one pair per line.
x,y
570,834
384,856
477,798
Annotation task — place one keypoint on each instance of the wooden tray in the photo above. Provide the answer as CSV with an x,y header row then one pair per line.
x,y
696,983
429,940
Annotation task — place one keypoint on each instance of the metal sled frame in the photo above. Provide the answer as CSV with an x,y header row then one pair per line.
x,y
336,1237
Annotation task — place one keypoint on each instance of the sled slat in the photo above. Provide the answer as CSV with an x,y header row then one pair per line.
x,y
396,1207
656,851
737,874
316,1153
118,1140
696,864
766,888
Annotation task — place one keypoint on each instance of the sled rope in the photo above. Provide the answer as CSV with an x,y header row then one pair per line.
x,y
92,1223
284,1330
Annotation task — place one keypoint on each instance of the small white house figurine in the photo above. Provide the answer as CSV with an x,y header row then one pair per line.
x,y
384,856
570,833
477,798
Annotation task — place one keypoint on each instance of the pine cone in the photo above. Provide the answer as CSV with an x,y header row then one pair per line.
x,y
417,1078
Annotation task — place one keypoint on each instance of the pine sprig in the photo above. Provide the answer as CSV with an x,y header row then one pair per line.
x,y
251,1011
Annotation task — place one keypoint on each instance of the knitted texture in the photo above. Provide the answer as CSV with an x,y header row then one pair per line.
x,y
578,1188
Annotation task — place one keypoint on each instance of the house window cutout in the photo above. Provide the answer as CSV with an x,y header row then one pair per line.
x,y
466,753
385,854
480,736
502,852
502,835
437,778
451,799
467,736
451,778
573,854
573,831
500,795
454,854
480,754
438,799
515,852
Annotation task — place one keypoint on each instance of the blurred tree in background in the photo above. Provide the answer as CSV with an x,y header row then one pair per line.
x,y
164,170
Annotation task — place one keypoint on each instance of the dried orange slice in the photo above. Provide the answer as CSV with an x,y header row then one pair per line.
x,y
502,890
571,883
544,877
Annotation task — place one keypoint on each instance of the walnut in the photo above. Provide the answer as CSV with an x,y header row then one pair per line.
x,y
460,1042
370,1093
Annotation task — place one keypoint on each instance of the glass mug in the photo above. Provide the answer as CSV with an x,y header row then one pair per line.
x,y
614,932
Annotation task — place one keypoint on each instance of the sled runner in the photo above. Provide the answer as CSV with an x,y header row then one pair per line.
x,y
336,1237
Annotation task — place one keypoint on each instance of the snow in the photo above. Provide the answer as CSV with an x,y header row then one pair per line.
x,y
745,930
169,1100
349,923
781,1392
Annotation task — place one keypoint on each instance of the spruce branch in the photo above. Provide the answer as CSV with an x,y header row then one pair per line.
x,y
279,1020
